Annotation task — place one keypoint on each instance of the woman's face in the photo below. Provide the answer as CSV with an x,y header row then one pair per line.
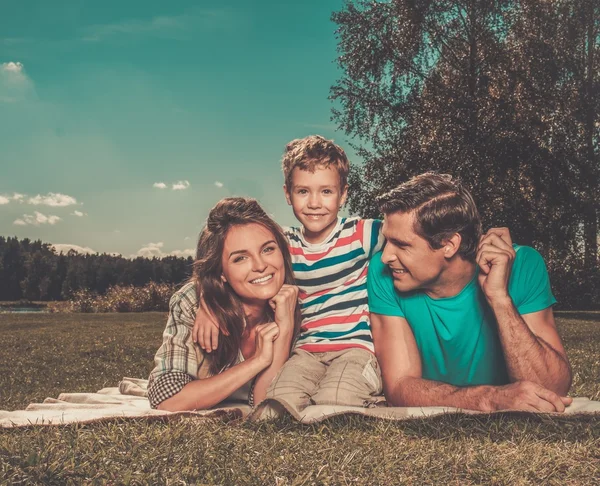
x,y
252,263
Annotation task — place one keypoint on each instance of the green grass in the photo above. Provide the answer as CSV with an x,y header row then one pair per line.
x,y
44,355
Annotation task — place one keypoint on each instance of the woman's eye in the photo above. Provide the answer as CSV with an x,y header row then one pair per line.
x,y
269,249
238,259
302,191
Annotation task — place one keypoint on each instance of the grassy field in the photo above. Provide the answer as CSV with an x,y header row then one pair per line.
x,y
44,355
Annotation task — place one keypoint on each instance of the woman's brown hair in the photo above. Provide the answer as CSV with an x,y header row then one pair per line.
x,y
219,297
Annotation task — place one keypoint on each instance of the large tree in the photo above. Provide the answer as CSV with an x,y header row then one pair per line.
x,y
502,94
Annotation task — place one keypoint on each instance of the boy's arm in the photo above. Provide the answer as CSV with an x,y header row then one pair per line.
x,y
400,361
206,330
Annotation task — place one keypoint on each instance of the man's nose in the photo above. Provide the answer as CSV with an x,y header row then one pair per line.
x,y
387,255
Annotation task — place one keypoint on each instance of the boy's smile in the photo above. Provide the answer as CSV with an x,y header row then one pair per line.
x,y
316,198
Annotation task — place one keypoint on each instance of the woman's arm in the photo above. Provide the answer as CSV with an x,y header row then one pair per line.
x,y
284,305
205,393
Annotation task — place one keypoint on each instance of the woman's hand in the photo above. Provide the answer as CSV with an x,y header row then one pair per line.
x,y
284,306
266,334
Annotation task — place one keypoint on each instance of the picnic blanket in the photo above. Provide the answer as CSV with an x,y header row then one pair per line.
x,y
128,400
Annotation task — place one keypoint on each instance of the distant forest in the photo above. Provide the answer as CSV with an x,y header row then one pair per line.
x,y
33,270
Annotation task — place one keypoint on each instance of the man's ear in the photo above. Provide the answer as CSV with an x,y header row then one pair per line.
x,y
452,245
344,195
288,198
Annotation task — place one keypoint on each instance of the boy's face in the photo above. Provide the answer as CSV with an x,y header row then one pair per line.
x,y
316,199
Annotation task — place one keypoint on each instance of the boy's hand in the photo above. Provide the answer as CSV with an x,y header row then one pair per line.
x,y
206,330
284,306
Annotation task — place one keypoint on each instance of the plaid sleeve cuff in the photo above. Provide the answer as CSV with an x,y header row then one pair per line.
x,y
166,386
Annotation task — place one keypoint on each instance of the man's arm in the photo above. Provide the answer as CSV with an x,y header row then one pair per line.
x,y
532,347
400,361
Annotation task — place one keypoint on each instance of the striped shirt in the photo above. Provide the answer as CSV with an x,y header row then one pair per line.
x,y
332,279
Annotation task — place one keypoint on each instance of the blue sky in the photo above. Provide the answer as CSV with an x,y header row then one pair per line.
x,y
101,102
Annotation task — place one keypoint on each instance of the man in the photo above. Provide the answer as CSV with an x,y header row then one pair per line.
x,y
457,321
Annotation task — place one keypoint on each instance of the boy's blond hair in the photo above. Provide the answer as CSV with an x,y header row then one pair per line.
x,y
311,152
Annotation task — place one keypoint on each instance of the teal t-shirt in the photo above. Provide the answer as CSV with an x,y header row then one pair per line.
x,y
458,336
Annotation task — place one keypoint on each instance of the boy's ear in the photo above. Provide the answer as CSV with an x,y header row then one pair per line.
x,y
452,245
344,196
287,195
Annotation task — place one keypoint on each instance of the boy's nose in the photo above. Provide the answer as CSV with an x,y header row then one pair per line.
x,y
314,201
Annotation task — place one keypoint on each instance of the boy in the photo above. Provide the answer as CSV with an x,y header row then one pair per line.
x,y
333,361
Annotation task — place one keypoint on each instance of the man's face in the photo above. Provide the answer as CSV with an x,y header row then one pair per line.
x,y
316,198
413,263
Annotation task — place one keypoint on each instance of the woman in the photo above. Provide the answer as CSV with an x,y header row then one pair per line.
x,y
243,272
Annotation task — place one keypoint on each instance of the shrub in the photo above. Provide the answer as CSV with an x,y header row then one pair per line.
x,y
151,297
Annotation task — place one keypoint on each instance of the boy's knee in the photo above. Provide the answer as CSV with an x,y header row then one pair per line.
x,y
353,381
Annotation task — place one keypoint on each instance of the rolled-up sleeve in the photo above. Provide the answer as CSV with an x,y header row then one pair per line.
x,y
177,360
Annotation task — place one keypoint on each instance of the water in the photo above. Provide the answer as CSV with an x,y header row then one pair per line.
x,y
22,310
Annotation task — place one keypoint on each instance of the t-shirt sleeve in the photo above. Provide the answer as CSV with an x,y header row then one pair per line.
x,y
529,284
380,287
372,237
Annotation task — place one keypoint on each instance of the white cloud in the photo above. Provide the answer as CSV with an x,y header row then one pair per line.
x,y
13,67
15,85
65,247
152,250
36,219
159,185
52,199
181,185
18,197
4,200
218,184
79,214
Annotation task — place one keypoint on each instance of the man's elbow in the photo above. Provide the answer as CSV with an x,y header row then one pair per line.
x,y
397,394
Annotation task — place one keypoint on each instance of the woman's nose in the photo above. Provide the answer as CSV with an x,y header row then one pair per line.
x,y
259,265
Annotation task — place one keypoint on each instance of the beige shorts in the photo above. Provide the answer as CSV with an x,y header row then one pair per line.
x,y
348,377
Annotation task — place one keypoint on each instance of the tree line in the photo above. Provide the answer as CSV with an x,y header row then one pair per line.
x,y
33,270
503,94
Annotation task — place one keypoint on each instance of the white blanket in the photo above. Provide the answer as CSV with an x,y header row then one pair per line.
x,y
128,400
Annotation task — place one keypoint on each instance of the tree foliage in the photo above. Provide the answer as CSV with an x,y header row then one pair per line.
x,y
33,270
503,94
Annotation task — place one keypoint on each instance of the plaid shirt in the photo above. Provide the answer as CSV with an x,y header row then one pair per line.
x,y
178,361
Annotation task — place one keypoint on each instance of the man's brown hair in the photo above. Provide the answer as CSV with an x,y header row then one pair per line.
x,y
312,152
442,206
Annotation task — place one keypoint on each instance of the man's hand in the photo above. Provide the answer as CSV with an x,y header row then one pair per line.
x,y
495,256
284,306
206,330
525,395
